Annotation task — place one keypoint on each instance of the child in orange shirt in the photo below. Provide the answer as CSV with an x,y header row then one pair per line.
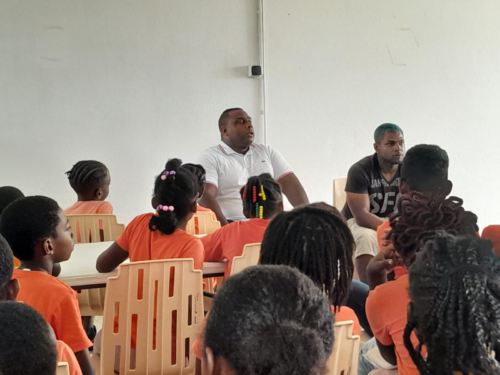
x,y
161,235
39,234
199,172
90,180
262,200
455,307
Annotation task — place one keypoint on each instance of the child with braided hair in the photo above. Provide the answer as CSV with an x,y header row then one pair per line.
x,y
420,216
262,200
455,307
90,180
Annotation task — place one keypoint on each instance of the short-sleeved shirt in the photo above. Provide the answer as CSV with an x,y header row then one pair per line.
x,y
89,208
66,355
387,313
365,177
229,241
398,270
143,244
229,172
57,303
492,233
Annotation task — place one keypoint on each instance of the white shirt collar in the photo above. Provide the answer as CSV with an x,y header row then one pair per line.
x,y
228,150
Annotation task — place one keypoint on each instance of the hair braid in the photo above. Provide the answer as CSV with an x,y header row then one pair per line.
x,y
455,310
318,243
87,175
261,196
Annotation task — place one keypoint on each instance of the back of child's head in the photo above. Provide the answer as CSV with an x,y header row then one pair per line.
x,y
27,347
199,172
175,193
261,197
87,176
420,216
455,309
318,243
6,267
9,194
425,167
27,221
271,320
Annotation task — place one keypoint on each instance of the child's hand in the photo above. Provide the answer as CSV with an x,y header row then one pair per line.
x,y
385,261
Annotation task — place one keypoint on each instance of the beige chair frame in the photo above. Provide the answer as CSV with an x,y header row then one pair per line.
x,y
339,194
249,257
344,357
206,223
62,368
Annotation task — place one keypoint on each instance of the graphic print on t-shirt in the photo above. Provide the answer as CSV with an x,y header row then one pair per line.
x,y
365,177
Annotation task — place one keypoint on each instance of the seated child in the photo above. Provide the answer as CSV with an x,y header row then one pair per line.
x,y
27,346
8,194
90,180
262,200
319,244
419,218
268,320
455,307
161,235
9,288
492,233
199,172
39,234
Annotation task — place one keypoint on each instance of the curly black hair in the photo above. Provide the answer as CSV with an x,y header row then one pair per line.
x,y
27,346
271,320
318,243
179,190
87,175
455,308
261,196
9,194
27,221
6,266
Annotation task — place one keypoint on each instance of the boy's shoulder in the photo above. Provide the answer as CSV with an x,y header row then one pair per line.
x,y
41,280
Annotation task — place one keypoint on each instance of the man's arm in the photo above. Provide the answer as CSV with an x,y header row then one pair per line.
x,y
359,204
293,190
209,200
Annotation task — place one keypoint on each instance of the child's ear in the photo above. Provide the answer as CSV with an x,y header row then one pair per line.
x,y
12,290
194,207
279,207
202,192
154,203
98,193
48,247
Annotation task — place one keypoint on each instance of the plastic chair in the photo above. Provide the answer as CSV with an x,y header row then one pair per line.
x,y
62,368
87,229
95,228
150,296
344,357
203,223
249,257
339,195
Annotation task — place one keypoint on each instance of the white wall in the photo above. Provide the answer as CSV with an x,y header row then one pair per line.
x,y
338,69
132,83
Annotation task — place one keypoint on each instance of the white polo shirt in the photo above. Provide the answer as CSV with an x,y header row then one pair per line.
x,y
229,172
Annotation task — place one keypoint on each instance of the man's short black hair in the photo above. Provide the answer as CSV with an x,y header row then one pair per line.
x,y
6,266
425,167
27,346
27,221
223,117
9,194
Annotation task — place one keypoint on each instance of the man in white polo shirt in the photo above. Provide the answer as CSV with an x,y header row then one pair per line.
x,y
234,160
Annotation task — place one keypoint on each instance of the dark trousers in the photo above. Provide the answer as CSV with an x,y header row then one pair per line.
x,y
358,293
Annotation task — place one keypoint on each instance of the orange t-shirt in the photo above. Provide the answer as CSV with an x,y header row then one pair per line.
x,y
398,270
492,233
143,244
89,208
343,315
386,309
57,303
66,355
229,241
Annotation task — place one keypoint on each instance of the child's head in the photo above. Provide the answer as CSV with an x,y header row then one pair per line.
x,y
199,172
8,288
261,197
268,320
420,216
8,194
318,243
175,195
455,308
90,179
28,346
425,169
37,229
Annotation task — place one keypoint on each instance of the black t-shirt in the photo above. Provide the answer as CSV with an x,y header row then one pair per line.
x,y
365,177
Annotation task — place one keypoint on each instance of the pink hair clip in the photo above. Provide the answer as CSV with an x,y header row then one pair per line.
x,y
167,173
164,208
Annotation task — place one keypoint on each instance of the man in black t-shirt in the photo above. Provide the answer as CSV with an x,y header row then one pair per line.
x,y
372,192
